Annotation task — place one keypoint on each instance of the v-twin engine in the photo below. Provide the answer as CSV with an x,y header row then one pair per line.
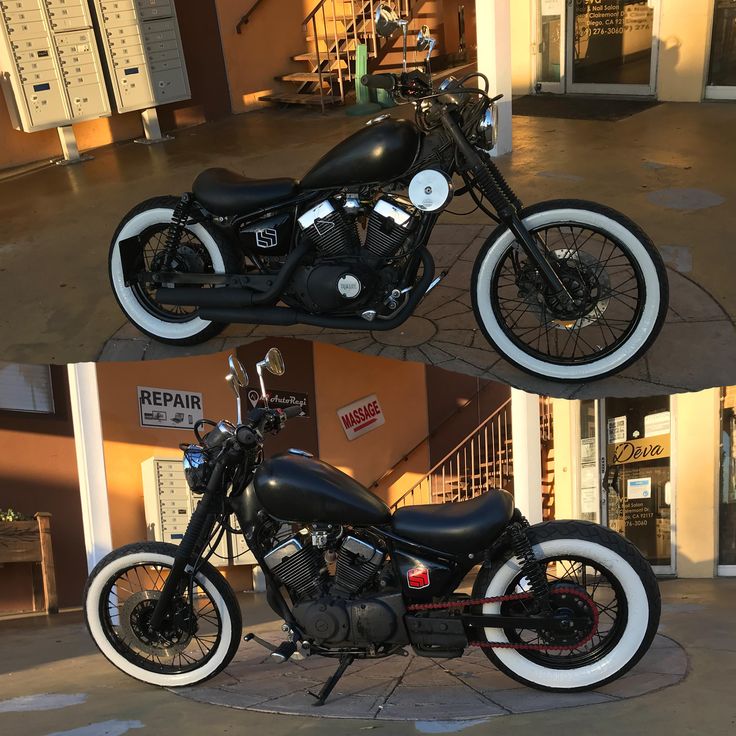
x,y
331,610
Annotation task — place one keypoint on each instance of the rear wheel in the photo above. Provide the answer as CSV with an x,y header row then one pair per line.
x,y
202,249
610,574
199,637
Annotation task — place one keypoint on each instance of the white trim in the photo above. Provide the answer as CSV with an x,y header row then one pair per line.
x,y
674,430
527,445
726,571
720,92
85,403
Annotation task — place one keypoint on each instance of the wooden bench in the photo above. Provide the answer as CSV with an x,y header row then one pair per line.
x,y
30,541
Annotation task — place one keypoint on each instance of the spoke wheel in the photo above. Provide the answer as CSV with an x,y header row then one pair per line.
x,y
190,634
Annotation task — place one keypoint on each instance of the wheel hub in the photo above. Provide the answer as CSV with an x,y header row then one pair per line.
x,y
584,302
175,634
185,260
573,616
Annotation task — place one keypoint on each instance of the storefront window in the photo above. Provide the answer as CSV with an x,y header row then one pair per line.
x,y
25,387
727,496
638,488
722,70
589,472
612,42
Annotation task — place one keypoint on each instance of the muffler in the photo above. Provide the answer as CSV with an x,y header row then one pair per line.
x,y
286,316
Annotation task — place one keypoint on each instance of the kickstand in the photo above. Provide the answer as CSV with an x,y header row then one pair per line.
x,y
345,661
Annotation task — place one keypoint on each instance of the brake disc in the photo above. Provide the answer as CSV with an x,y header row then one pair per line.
x,y
135,617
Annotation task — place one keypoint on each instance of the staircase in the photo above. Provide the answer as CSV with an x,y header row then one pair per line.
x,y
333,32
483,460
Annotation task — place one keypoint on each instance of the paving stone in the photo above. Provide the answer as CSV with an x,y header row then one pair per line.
x,y
447,309
116,349
665,661
417,703
447,234
159,351
394,352
415,331
471,252
691,302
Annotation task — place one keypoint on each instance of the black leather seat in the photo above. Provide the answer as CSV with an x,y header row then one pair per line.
x,y
224,192
459,528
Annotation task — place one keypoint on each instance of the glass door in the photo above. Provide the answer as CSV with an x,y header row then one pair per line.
x,y
637,498
550,46
722,67
612,47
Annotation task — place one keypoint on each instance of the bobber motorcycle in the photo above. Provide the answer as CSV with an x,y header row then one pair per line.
x,y
567,290
562,605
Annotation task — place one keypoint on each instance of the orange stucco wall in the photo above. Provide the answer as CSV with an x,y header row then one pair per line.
x,y
342,377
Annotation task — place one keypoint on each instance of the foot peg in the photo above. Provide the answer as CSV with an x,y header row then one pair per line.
x,y
284,651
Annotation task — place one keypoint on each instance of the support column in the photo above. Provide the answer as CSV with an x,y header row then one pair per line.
x,y
85,401
494,60
152,128
527,443
69,147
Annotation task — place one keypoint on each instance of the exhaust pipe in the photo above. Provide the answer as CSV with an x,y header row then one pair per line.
x,y
286,316
192,296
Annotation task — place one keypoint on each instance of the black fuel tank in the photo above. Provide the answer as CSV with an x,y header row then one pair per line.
x,y
379,152
297,488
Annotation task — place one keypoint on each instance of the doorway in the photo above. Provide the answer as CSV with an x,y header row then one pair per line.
x,y
626,478
722,67
596,46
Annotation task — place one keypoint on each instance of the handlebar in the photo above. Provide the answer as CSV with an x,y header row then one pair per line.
x,y
379,81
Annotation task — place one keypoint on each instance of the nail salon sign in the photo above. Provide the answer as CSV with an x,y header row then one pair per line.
x,y
361,417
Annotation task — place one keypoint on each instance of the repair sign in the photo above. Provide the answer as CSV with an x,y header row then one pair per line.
x,y
361,416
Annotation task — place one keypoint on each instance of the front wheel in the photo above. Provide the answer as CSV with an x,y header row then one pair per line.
x,y
200,634
615,278
610,574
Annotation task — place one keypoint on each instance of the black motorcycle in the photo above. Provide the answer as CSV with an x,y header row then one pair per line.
x,y
562,605
566,289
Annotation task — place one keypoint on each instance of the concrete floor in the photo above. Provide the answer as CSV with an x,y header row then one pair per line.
x,y
54,682
669,168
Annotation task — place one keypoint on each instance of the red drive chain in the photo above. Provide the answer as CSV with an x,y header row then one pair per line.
x,y
576,592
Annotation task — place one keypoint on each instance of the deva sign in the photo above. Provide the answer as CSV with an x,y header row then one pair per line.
x,y
361,416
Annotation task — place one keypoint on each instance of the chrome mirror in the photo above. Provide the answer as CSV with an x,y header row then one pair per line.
x,y
425,42
237,377
273,363
387,20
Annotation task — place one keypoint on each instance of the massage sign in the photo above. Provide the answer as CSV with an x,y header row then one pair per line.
x,y
361,416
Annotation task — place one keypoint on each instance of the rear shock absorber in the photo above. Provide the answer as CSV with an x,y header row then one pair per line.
x,y
176,229
530,567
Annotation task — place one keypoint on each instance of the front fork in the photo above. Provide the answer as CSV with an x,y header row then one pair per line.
x,y
499,194
197,533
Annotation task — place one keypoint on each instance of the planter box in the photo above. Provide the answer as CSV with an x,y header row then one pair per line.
x,y
30,541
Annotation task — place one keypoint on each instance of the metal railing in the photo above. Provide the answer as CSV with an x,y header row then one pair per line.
x,y
336,28
483,460
246,16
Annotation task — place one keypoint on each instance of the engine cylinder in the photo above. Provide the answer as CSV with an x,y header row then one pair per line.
x,y
299,568
357,563
330,229
388,228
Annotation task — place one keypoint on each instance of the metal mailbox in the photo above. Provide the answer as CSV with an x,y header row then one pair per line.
x,y
143,47
49,64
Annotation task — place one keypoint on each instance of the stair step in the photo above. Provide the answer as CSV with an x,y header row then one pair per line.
x,y
298,99
312,59
307,77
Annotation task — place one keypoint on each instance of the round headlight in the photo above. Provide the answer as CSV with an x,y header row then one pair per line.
x,y
488,127
196,468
